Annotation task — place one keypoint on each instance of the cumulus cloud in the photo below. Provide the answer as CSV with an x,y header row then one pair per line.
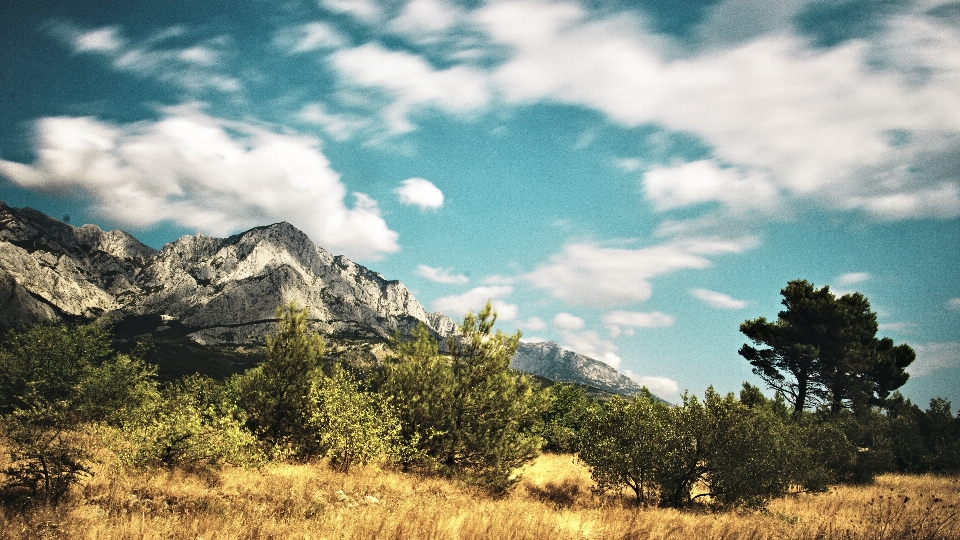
x,y
865,125
663,387
567,321
953,303
718,300
852,278
533,324
440,275
934,357
703,181
408,83
203,173
625,322
599,276
420,193
474,300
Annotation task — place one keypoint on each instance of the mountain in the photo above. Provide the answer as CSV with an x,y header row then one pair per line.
x,y
213,290
204,299
549,360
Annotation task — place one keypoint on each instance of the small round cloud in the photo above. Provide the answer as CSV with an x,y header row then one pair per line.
x,y
421,193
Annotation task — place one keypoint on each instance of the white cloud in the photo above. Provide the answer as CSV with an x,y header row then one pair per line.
x,y
533,324
427,20
367,11
203,173
440,275
421,193
408,84
339,126
663,387
618,322
867,125
193,68
598,276
567,321
898,327
103,40
703,181
953,303
474,300
934,357
718,300
309,37
852,278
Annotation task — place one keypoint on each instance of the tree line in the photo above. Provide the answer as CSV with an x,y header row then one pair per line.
x,y
463,413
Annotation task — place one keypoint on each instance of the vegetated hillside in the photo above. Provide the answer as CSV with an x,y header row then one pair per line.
x,y
553,500
205,304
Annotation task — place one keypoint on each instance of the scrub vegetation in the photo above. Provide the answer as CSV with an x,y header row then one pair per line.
x,y
454,444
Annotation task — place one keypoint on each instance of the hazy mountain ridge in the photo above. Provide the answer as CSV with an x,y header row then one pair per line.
x,y
223,291
549,360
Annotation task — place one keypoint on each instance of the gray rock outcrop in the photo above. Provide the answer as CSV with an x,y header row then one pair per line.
x,y
219,290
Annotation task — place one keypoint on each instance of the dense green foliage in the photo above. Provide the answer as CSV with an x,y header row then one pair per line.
x,y
52,378
824,350
466,414
742,454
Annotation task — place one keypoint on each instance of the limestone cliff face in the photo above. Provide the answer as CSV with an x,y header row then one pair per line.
x,y
549,360
52,271
220,290
229,288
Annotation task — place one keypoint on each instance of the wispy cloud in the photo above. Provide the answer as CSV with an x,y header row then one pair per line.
x,y
205,174
194,68
718,300
934,358
626,322
420,193
567,321
440,275
598,276
309,37
852,278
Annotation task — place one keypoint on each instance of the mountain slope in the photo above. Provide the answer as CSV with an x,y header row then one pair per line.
x,y
549,360
200,291
214,290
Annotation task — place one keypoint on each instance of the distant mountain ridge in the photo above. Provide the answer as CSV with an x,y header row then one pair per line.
x,y
223,291
548,359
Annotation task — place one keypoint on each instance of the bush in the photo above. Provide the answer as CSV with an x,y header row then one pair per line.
x,y
467,415
624,443
353,427
568,407
742,455
193,422
52,378
279,395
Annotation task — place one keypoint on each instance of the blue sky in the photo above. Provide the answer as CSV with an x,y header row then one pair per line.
x,y
630,179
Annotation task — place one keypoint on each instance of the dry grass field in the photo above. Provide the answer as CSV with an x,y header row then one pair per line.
x,y
553,500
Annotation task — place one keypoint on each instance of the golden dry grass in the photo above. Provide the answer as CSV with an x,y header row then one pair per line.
x,y
553,500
